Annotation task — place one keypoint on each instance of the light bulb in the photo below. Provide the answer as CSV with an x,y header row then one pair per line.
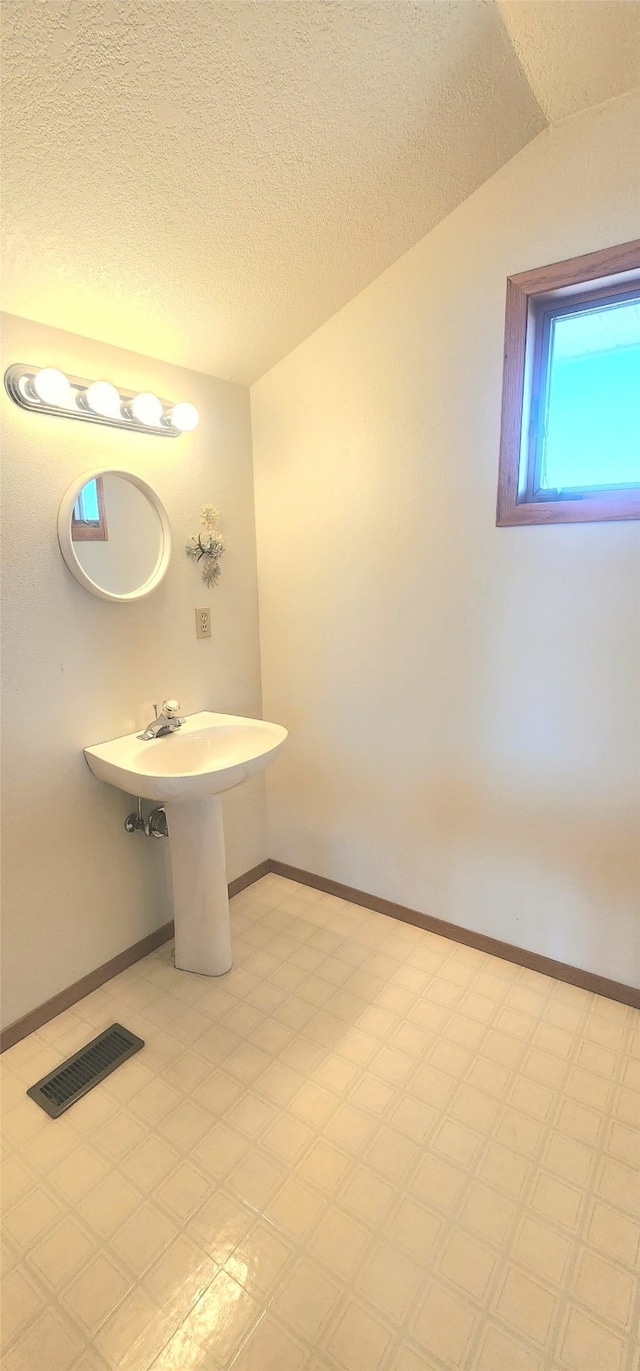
x,y
146,408
184,416
103,399
51,386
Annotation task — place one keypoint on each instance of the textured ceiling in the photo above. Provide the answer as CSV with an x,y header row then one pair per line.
x,y
208,182
575,53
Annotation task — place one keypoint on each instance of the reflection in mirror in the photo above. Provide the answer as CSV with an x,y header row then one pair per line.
x,y
88,521
117,533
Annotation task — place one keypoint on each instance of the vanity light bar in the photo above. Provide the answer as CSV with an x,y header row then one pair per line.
x,y
47,390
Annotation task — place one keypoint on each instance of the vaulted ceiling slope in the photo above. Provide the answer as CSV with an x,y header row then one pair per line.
x,y
207,181
575,53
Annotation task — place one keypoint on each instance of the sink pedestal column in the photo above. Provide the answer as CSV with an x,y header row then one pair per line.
x,y
200,896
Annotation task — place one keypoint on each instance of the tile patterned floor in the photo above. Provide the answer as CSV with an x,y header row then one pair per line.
x,y
365,1149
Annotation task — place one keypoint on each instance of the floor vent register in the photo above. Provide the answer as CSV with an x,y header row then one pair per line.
x,y
58,1090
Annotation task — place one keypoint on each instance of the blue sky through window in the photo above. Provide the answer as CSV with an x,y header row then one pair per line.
x,y
86,509
592,429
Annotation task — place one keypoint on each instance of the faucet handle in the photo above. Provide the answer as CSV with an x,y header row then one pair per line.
x,y
171,709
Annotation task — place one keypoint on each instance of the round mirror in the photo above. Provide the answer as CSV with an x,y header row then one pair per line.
x,y
114,534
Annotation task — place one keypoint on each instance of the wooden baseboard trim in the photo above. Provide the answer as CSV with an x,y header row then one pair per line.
x,y
573,975
534,961
250,877
65,998
14,1032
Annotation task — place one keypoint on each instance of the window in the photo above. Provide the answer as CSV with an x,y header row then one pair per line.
x,y
570,442
89,520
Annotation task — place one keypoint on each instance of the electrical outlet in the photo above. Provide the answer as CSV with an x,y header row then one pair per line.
x,y
203,622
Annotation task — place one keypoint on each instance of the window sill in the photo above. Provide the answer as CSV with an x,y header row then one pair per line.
x,y
590,509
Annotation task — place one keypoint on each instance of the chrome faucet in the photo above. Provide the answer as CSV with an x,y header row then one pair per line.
x,y
167,721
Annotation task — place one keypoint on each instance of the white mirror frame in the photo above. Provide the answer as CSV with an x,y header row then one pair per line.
x,y
67,546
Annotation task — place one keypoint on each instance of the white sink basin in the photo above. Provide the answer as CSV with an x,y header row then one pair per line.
x,y
188,771
209,754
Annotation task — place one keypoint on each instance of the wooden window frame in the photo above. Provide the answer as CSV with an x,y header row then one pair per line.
x,y
86,531
532,299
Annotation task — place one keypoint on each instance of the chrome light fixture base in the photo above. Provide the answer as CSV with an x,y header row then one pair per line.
x,y
17,381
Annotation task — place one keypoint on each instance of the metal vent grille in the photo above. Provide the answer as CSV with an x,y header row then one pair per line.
x,y
61,1088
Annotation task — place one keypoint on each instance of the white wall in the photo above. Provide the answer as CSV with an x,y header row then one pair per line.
x,y
77,670
461,700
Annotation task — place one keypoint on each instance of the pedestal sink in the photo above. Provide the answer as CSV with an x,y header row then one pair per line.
x,y
188,771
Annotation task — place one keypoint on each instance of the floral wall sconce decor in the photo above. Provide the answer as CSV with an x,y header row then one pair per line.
x,y
208,547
